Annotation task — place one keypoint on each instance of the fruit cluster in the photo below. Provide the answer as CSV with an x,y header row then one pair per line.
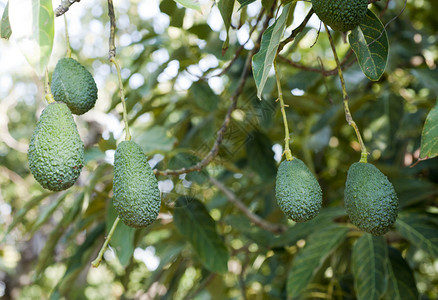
x,y
369,197
56,151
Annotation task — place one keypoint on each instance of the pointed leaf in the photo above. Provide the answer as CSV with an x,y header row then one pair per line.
x,y
194,222
5,27
420,230
401,281
369,42
263,60
226,10
369,261
429,137
33,27
193,4
310,259
45,214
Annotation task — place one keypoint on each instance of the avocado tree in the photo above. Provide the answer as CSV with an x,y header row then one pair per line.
x,y
235,150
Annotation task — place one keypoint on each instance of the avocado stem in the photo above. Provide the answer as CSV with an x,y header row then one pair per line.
x,y
287,151
95,263
47,90
67,40
122,98
348,115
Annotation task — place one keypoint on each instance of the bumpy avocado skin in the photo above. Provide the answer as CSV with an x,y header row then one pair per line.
x,y
297,190
74,85
340,15
370,199
136,194
56,151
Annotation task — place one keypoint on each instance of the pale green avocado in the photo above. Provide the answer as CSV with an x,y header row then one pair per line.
x,y
370,199
74,85
298,192
340,15
136,194
56,151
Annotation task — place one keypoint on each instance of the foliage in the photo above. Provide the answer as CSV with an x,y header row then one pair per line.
x,y
192,72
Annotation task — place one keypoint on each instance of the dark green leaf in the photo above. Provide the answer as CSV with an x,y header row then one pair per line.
x,y
310,259
5,27
244,3
420,230
262,62
260,155
194,222
201,30
244,226
429,137
203,96
401,281
155,138
122,240
226,10
369,261
369,42
302,230
34,28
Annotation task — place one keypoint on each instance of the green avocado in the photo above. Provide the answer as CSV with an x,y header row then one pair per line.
x,y
340,15
56,151
370,199
136,194
74,85
297,190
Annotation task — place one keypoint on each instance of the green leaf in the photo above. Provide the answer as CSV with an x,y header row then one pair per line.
x,y
429,137
5,27
302,230
32,22
401,281
420,230
204,96
194,222
193,4
369,260
369,42
226,10
310,259
244,3
122,240
155,138
44,215
260,155
19,216
263,60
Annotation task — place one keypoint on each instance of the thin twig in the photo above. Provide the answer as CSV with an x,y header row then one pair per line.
x,y
47,90
274,228
95,263
348,115
296,31
67,39
64,7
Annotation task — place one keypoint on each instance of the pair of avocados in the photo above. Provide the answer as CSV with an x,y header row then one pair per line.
x,y
370,198
56,151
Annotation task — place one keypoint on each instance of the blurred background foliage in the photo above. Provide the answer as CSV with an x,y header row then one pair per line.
x,y
203,246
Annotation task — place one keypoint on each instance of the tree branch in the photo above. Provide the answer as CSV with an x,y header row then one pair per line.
x,y
296,31
112,46
274,228
64,7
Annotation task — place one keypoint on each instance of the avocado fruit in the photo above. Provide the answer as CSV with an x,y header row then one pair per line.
x,y
340,15
74,85
56,151
135,188
370,199
297,191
